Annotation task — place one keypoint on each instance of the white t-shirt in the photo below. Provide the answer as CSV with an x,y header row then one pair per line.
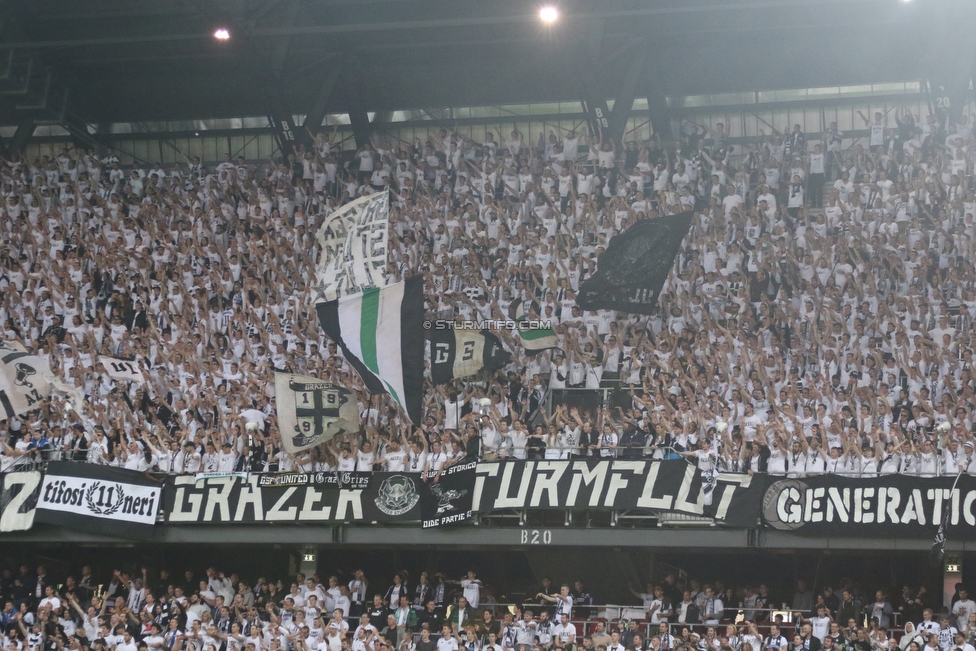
x,y
447,644
656,616
877,134
472,591
962,610
396,461
816,163
820,626
564,633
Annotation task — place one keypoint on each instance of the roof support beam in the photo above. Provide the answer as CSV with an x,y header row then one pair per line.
x,y
315,115
588,45
22,136
657,102
624,101
948,82
287,134
362,130
281,49
589,62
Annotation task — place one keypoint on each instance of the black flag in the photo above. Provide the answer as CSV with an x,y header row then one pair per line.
x,y
631,272
462,353
937,553
449,499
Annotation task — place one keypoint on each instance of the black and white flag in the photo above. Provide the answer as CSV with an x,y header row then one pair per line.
x,y
631,272
122,369
353,241
462,353
311,411
449,498
25,380
86,496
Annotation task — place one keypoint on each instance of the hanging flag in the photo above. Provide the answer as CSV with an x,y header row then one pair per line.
x,y
381,334
536,335
449,499
462,353
25,380
86,496
635,265
353,241
18,500
122,369
937,553
311,411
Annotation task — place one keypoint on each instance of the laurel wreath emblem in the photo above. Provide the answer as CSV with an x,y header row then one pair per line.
x,y
107,509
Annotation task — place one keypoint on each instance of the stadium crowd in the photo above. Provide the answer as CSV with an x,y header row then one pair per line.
x,y
819,317
218,611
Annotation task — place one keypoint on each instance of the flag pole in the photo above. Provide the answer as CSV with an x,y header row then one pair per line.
x,y
939,543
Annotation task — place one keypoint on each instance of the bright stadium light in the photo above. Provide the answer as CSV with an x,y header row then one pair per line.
x,y
548,14
221,34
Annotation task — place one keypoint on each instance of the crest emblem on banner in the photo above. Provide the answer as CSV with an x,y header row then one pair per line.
x,y
24,371
316,408
100,501
397,495
446,498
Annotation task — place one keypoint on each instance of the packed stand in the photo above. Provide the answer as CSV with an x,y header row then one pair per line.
x,y
218,611
819,318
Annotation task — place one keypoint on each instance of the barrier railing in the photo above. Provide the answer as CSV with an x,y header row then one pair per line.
x,y
609,615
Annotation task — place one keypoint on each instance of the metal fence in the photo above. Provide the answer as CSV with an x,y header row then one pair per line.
x,y
635,617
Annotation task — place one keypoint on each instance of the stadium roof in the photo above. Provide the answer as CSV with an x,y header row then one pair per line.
x,y
139,61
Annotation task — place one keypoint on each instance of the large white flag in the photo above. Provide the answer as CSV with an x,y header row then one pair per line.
x,y
353,241
25,380
311,411
122,369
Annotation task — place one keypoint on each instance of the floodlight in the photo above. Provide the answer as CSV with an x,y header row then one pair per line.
x,y
548,14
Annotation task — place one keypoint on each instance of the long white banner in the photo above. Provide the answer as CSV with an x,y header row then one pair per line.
x,y
353,241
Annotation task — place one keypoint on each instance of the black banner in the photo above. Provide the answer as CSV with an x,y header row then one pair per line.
x,y
18,500
449,499
458,353
294,497
737,499
87,496
125,502
589,484
890,505
631,272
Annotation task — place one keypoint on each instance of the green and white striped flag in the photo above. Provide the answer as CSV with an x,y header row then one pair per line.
x,y
534,340
381,333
